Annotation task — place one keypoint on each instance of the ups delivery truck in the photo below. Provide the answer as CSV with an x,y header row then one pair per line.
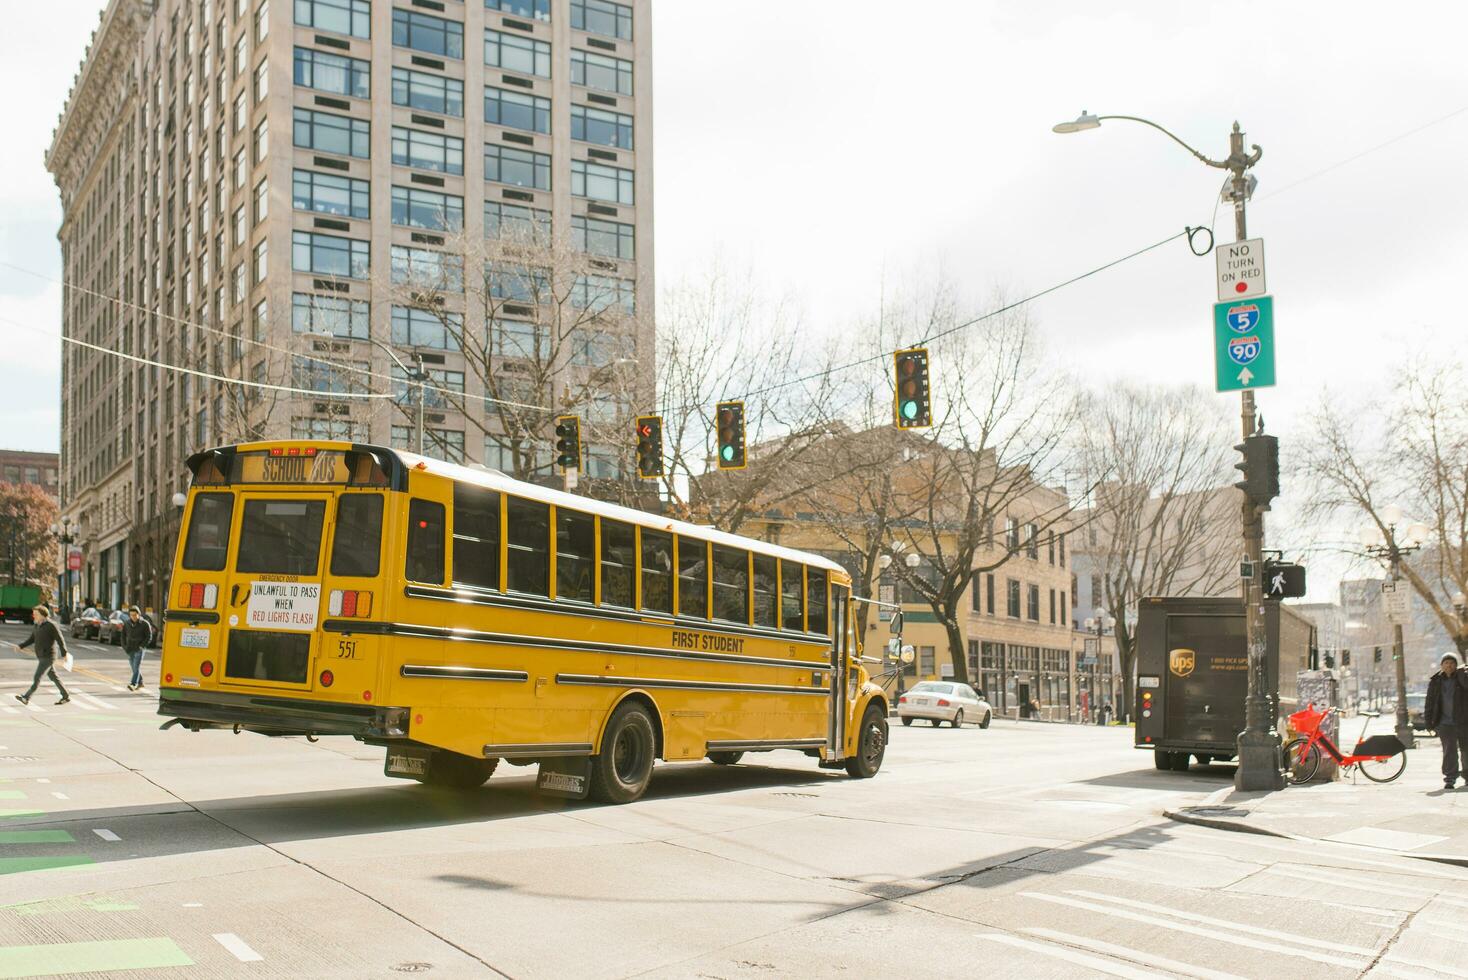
x,y
1193,674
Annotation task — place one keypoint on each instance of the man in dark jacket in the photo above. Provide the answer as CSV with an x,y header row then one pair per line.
x,y
137,633
1446,712
47,640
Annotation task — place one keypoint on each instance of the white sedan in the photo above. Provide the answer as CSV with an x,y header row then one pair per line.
x,y
949,701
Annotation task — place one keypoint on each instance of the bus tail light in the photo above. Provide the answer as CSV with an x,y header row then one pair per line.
x,y
207,668
348,602
326,678
196,595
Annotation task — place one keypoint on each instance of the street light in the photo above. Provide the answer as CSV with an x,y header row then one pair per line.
x,y
1381,542
1100,623
62,533
416,376
1260,764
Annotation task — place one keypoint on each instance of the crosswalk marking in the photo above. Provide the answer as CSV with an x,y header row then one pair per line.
x,y
105,834
237,946
1072,956
1121,952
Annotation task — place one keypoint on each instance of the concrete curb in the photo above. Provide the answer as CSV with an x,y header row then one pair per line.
x,y
1220,823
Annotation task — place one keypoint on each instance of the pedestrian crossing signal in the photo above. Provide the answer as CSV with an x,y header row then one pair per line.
x,y
568,442
649,446
912,402
729,421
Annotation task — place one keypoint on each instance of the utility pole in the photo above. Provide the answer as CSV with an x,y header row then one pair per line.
x,y
1399,654
418,376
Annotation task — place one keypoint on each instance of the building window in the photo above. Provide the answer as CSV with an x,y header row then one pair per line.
x,y
597,293
517,284
1062,609
513,222
602,17
430,93
601,72
330,194
262,208
438,390
445,444
329,378
601,126
332,134
608,238
927,661
333,73
427,151
422,32
1096,593
1052,607
353,17
516,110
1011,535
538,9
989,593
520,168
412,327
418,208
1062,550
1032,542
262,89
519,339
1013,588
427,268
601,183
512,52
329,255
1050,546
334,429
976,596
1034,603
336,315
262,253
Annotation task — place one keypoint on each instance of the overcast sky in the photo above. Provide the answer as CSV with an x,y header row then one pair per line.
x,y
823,146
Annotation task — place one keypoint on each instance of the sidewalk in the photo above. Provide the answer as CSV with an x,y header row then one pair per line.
x,y
1413,816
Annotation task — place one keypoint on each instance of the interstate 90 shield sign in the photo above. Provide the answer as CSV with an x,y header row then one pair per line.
x,y
1243,343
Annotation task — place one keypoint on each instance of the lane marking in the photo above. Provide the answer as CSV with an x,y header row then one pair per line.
x,y
1214,934
91,700
42,779
16,814
105,834
60,796
237,946
1418,894
10,865
54,959
36,837
1071,956
1397,960
193,905
1122,952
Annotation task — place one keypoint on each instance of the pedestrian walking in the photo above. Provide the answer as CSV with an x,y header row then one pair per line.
x,y
46,639
1106,713
137,635
1446,712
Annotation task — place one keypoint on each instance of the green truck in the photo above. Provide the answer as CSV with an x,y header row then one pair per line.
x,y
17,601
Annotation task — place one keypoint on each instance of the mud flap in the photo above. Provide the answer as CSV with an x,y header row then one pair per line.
x,y
407,762
569,777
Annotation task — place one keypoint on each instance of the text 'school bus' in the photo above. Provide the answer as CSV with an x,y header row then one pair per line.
x,y
459,617
1193,676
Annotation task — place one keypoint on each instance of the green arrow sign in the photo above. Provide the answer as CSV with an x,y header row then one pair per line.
x,y
1243,343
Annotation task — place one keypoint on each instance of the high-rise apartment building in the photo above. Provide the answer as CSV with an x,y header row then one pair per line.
x,y
323,200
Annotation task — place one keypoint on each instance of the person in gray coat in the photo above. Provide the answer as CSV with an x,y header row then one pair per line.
x,y
47,640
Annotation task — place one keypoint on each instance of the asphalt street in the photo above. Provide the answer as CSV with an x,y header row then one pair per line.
x,y
1026,850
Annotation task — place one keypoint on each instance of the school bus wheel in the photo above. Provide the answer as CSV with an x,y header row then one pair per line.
x,y
454,771
871,744
725,758
622,770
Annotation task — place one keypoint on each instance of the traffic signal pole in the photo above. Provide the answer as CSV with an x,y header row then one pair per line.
x,y
1260,764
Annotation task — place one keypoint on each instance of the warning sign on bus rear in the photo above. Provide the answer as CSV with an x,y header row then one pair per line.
x,y
283,605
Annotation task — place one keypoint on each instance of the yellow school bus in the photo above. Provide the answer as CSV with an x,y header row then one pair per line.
x,y
458,617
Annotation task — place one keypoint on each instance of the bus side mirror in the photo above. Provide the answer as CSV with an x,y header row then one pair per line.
x,y
895,626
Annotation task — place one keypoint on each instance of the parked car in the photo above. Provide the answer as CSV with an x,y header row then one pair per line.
x,y
939,701
110,631
86,624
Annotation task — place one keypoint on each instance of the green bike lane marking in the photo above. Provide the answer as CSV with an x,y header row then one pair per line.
x,y
12,794
15,865
54,959
17,814
36,837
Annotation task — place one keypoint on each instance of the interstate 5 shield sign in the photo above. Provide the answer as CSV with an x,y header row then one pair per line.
x,y
1243,343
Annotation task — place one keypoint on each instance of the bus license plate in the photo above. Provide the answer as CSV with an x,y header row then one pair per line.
x,y
197,639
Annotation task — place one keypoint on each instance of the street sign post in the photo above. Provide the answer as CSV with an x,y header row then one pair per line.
x,y
1397,601
1240,270
74,559
1243,344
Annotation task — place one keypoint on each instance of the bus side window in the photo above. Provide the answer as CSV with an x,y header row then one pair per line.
x,y
792,596
575,554
657,571
356,541
425,542
816,587
618,562
528,525
765,612
693,577
208,539
731,584
476,537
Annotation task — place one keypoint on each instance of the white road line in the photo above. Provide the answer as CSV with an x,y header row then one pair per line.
x,y
9,710
92,700
193,905
105,834
61,796
1071,956
1391,971
1207,920
43,780
1214,934
76,700
237,946
1423,895
1435,967
1121,952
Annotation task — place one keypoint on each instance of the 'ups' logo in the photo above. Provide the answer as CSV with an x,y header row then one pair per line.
x,y
1181,662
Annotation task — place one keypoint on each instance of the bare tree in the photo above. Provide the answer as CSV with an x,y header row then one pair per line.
x,y
1161,516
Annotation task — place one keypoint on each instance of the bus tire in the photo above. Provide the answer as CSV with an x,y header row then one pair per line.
x,y
725,758
871,744
621,772
1181,761
1161,760
454,771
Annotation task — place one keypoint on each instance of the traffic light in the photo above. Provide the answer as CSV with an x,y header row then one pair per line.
x,y
1376,655
568,442
649,446
1260,466
1283,580
1345,658
729,420
912,405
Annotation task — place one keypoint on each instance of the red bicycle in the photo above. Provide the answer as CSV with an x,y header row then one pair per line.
x,y
1380,758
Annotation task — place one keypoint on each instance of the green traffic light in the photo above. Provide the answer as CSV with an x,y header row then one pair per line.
x,y
909,410
727,452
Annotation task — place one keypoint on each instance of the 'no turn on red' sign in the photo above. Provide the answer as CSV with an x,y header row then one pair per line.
x,y
1240,269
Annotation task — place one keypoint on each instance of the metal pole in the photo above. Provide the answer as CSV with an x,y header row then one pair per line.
x,y
1404,723
1259,744
418,416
